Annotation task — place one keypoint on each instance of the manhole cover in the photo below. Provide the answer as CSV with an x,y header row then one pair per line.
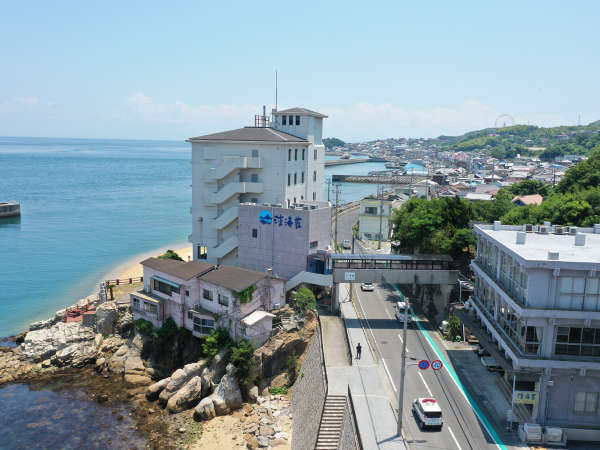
x,y
384,342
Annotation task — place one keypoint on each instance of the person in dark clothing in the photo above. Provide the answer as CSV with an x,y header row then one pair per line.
x,y
358,350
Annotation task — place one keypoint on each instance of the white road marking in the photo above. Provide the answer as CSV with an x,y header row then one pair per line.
x,y
388,314
400,337
389,375
426,387
454,437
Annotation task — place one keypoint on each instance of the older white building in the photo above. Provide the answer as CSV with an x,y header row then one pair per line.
x,y
279,163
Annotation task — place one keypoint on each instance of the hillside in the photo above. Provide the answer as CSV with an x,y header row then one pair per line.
x,y
527,140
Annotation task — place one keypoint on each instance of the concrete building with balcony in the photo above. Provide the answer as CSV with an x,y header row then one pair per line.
x,y
371,210
294,242
537,293
201,296
280,160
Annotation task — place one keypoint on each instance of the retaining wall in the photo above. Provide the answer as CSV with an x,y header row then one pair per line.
x,y
348,439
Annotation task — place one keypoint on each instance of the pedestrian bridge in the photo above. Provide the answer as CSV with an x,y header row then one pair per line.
x,y
400,269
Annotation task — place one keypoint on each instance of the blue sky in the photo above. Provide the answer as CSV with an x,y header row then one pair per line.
x,y
172,70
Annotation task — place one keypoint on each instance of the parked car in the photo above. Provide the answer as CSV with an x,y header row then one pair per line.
x,y
427,412
367,287
346,244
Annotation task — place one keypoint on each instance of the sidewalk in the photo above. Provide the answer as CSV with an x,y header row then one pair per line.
x,y
374,415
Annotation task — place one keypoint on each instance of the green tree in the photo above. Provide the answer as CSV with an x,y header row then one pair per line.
x,y
454,327
305,299
584,175
216,340
242,357
333,142
530,187
170,254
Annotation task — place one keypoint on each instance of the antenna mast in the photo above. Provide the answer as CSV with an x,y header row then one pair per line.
x,y
275,89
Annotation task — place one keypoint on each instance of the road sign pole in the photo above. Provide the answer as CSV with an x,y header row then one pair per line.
x,y
403,369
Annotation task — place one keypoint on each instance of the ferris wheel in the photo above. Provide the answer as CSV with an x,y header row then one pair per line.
x,y
503,121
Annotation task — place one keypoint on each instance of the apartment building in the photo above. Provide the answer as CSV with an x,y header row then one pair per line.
x,y
280,160
375,217
537,292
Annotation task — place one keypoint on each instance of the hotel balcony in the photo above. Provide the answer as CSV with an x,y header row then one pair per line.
x,y
225,247
226,217
229,164
231,189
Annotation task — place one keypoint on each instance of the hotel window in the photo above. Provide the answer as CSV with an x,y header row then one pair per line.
x,y
294,200
295,178
187,293
295,154
289,154
303,152
571,293
315,153
150,307
577,341
314,244
297,120
203,326
586,402
255,153
207,294
291,120
254,233
223,300
314,195
283,120
315,175
302,178
289,179
136,303
202,252
254,178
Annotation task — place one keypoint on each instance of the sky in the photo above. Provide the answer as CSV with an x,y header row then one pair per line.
x,y
173,70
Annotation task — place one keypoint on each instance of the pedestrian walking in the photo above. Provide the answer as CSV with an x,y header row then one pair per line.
x,y
358,350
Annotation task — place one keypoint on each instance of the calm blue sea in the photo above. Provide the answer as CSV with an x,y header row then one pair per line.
x,y
88,205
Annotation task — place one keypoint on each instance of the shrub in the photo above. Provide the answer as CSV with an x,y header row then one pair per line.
x,y
246,295
292,366
144,327
242,357
305,299
215,341
170,254
278,390
454,327
166,335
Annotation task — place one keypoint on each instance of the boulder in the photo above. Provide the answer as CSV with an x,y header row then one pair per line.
x,y
154,390
137,380
281,380
185,397
116,363
68,344
253,393
40,325
226,397
106,318
179,378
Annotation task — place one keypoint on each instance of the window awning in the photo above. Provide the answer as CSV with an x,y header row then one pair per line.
x,y
170,283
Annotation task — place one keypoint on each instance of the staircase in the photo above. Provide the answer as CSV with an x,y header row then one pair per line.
x,y
331,423
521,411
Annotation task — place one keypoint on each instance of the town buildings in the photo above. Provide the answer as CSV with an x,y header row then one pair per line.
x,y
201,296
375,217
537,293
278,161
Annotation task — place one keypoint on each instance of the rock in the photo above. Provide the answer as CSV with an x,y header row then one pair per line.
x,y
154,390
266,430
263,441
181,430
68,344
125,323
179,378
260,400
59,316
46,363
40,325
281,380
281,435
251,442
279,443
185,397
150,411
266,420
103,398
253,393
106,317
226,397
137,380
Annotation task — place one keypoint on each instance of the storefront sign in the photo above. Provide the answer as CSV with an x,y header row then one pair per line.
x,y
280,220
528,397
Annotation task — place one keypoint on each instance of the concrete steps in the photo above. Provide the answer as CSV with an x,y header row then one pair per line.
x,y
331,423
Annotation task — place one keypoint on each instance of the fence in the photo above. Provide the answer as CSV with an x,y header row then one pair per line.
x,y
118,282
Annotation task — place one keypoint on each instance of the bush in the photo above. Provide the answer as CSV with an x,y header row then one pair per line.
x,y
215,341
144,327
246,295
292,366
166,335
170,254
305,299
242,357
454,327
278,390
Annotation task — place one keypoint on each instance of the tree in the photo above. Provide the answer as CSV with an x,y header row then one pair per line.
x,y
584,175
530,187
454,327
333,142
170,254
305,299
242,357
215,341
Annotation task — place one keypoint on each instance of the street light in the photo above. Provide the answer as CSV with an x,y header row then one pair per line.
x,y
403,368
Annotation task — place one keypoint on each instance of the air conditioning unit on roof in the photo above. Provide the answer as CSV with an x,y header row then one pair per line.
x,y
544,230
573,230
559,230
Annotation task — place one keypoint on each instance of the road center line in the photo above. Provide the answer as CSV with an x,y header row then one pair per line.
x,y
454,437
388,314
389,375
426,387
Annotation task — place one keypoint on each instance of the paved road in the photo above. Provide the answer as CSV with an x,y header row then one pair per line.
x,y
345,221
462,430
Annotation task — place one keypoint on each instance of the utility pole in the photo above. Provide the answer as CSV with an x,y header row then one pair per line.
x,y
337,193
380,192
328,181
403,367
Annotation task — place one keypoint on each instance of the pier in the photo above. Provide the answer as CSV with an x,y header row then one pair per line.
x,y
379,179
10,209
340,162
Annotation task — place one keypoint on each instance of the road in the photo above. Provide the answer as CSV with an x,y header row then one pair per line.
x,y
345,221
462,430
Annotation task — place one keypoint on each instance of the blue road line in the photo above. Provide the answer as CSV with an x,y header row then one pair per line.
x,y
490,429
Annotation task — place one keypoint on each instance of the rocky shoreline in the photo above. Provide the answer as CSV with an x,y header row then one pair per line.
x,y
111,362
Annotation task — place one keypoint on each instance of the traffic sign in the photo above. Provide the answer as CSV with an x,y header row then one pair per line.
x,y
423,364
436,365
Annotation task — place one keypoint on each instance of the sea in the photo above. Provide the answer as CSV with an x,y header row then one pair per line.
x,y
88,205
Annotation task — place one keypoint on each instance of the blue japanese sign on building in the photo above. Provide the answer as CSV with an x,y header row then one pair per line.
x,y
265,217
280,220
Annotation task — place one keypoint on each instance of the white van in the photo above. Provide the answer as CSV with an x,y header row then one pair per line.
x,y
428,412
347,244
399,310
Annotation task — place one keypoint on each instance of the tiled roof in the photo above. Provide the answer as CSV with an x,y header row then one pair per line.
x,y
535,199
178,269
257,134
233,278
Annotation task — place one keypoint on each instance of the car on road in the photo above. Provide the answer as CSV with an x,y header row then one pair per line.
x,y
346,244
367,287
427,412
400,309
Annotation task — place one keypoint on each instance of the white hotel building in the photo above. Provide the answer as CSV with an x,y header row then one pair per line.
x,y
537,293
280,162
